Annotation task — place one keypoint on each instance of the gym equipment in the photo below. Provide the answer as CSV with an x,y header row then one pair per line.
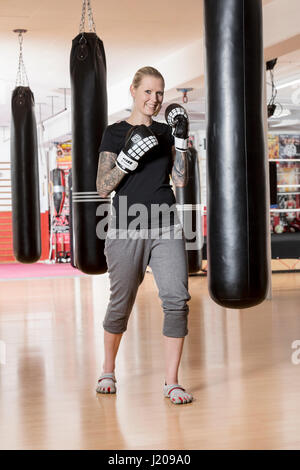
x,y
138,141
236,169
24,170
71,251
89,120
189,211
59,220
176,116
58,190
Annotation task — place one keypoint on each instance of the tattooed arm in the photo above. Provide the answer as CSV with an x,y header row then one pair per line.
x,y
179,170
109,175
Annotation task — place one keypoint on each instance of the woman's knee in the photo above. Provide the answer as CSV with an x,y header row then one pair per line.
x,y
115,323
176,302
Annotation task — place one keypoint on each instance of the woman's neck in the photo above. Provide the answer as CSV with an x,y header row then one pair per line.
x,y
136,119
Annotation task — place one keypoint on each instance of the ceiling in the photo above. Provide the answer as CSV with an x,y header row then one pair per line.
x,y
135,33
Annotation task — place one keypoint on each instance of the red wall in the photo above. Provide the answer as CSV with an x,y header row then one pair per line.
x,y
6,242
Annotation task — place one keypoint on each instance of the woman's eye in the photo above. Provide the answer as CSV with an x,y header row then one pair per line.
x,y
160,93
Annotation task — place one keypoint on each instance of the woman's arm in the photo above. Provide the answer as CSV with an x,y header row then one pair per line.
x,y
109,175
179,170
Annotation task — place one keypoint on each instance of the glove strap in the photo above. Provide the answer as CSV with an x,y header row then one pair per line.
x,y
125,163
181,144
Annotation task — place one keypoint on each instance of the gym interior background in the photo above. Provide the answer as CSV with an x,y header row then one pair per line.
x,y
242,365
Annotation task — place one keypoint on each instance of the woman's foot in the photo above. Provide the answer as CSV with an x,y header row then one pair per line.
x,y
106,383
177,394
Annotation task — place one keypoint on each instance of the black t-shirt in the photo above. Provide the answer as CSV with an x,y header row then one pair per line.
x,y
149,184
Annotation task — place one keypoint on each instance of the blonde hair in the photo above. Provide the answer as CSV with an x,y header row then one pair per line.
x,y
137,79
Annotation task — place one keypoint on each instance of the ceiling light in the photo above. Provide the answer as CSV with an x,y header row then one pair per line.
x,y
287,84
286,123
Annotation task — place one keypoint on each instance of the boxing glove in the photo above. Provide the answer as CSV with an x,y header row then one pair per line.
x,y
176,116
139,140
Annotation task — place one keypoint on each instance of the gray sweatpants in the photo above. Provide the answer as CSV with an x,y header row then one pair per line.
x,y
127,260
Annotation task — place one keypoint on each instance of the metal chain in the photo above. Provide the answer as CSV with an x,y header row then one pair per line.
x,y
91,19
92,26
81,27
22,79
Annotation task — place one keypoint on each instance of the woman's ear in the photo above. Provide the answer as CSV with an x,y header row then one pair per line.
x,y
132,91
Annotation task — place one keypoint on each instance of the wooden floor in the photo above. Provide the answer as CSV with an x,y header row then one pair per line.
x,y
237,363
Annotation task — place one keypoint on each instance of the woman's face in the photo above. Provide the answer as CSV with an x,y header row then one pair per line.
x,y
148,96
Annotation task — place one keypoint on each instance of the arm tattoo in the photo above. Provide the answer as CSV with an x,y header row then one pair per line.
x,y
109,175
179,170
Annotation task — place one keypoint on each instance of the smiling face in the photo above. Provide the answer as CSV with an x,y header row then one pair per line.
x,y
148,96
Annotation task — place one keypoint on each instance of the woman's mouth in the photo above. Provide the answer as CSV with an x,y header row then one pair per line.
x,y
151,107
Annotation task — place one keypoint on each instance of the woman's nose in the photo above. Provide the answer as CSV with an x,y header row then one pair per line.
x,y
154,98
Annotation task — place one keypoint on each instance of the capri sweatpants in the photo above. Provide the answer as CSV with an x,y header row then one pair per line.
x,y
127,260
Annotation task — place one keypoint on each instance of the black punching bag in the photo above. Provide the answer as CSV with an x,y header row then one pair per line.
x,y
57,177
89,119
188,204
71,220
237,206
25,177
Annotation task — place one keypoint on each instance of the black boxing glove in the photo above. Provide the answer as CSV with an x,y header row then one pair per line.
x,y
176,116
139,140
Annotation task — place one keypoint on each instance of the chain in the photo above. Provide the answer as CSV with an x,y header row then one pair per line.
x,y
81,27
92,26
22,79
91,19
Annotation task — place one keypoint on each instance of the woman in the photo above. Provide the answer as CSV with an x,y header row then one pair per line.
x,y
142,179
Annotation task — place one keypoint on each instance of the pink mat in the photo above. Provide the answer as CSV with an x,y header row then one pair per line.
x,y
19,270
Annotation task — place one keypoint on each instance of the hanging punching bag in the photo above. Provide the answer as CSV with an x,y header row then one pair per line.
x,y
89,119
237,206
59,192
72,260
25,177
188,205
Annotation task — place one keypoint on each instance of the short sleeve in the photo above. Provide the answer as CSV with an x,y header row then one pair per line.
x,y
108,142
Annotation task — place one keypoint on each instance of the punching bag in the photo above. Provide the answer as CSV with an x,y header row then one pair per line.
x,y
72,260
59,191
189,211
236,206
25,177
89,119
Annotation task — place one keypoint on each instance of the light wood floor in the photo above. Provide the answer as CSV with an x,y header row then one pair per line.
x,y
237,364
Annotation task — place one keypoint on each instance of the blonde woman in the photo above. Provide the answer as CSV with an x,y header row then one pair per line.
x,y
137,157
